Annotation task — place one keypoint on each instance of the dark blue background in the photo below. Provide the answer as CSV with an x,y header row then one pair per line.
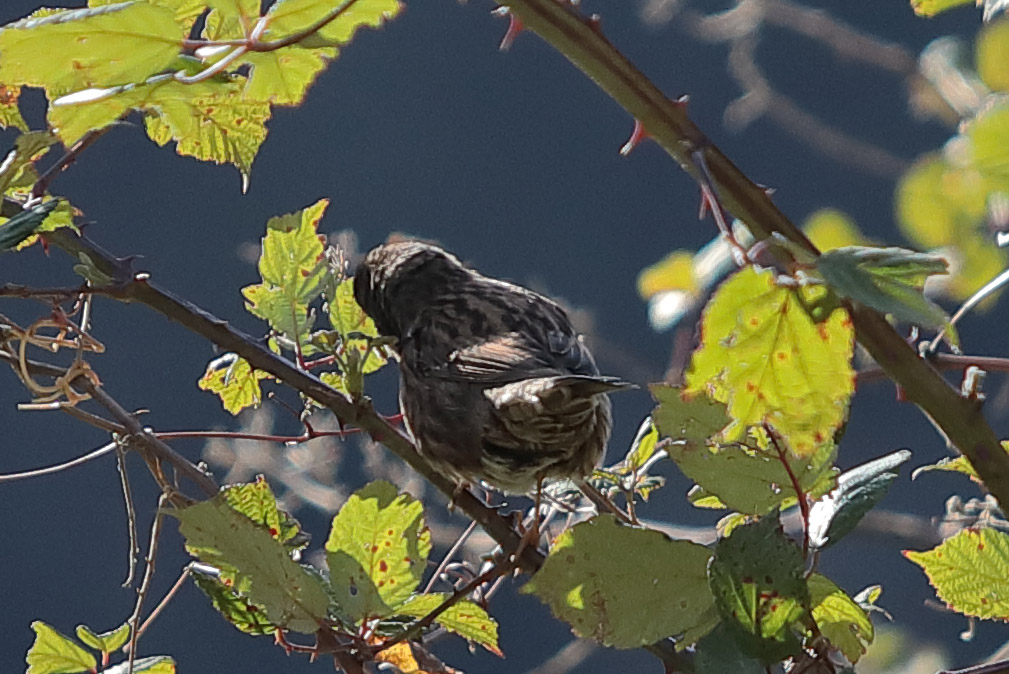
x,y
509,159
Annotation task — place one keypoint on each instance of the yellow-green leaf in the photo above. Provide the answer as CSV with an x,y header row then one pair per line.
x,y
933,7
763,355
106,642
839,618
970,572
234,381
10,113
623,586
53,653
95,47
155,664
992,54
293,17
464,618
377,551
223,128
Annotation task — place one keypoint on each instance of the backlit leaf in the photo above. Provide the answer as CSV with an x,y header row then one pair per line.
x,y
94,47
933,7
764,356
53,653
464,618
234,381
839,618
377,551
10,113
106,642
291,17
970,572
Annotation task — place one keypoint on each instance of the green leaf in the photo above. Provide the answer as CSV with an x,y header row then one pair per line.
x,y
932,7
958,464
890,280
839,618
18,169
970,572
234,381
377,551
10,113
464,618
53,653
222,128
718,653
622,586
750,481
858,491
756,575
684,416
155,664
105,642
992,53
292,596
763,355
643,445
292,17
237,609
256,501
989,136
293,268
95,47
23,225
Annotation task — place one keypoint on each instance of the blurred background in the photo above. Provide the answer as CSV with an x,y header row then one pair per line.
x,y
511,160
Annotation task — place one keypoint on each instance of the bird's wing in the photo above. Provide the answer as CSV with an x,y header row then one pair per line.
x,y
515,357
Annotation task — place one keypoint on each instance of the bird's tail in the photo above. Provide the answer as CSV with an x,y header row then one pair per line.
x,y
585,385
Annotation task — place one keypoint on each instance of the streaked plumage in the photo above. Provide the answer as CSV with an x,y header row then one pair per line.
x,y
496,384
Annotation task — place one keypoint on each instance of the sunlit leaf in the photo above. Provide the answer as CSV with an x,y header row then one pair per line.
x,y
829,228
989,136
105,642
10,113
839,618
234,381
464,618
622,586
256,501
933,7
763,355
970,572
236,608
756,575
377,551
53,653
292,17
23,225
17,169
94,47
673,272
292,596
718,653
992,54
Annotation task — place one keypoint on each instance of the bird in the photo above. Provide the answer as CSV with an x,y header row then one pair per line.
x,y
496,387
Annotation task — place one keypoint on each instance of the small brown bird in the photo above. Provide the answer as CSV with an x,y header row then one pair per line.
x,y
496,384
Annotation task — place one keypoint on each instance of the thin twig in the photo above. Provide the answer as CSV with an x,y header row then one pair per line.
x,y
451,553
86,141
131,515
49,470
145,584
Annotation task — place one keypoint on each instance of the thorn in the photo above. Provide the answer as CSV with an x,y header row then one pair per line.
x,y
637,135
595,22
514,27
682,101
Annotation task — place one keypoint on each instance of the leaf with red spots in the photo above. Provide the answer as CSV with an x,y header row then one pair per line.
x,y
756,576
377,551
234,381
94,47
256,501
293,268
464,618
763,355
970,572
625,587
292,596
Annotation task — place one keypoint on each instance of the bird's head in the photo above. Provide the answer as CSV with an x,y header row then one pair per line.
x,y
396,280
